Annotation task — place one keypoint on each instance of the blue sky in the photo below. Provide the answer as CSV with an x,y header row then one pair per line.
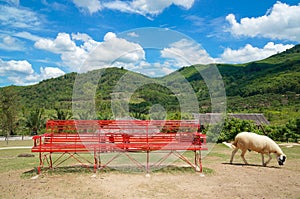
x,y
40,39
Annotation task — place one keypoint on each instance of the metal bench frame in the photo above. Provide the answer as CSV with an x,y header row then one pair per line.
x,y
71,138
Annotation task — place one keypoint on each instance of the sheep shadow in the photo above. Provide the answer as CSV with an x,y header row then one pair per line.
x,y
250,165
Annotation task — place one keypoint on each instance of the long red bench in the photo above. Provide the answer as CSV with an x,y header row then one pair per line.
x,y
102,136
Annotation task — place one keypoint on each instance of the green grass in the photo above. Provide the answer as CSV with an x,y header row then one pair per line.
x,y
12,143
9,161
292,153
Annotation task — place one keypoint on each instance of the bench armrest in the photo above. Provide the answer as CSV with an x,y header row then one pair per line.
x,y
38,139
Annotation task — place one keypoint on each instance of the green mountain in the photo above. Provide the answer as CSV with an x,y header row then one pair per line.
x,y
270,86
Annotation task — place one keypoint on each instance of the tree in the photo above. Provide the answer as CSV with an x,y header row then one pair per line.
x,y
9,105
294,130
231,127
62,115
35,120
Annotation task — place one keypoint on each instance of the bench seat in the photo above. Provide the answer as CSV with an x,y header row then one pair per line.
x,y
93,142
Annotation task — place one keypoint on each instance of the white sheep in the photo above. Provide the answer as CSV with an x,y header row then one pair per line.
x,y
259,143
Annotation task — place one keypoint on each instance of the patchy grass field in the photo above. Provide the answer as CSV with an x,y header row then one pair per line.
x,y
221,179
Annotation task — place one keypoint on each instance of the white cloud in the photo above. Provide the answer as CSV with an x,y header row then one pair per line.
x,y
181,53
15,80
45,73
249,53
9,43
88,43
16,17
15,67
143,7
118,52
282,21
20,72
157,69
197,21
81,37
50,72
55,5
109,35
92,54
133,34
186,52
27,35
61,44
91,6
71,55
114,51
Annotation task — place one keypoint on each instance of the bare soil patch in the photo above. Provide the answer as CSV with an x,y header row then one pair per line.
x,y
226,181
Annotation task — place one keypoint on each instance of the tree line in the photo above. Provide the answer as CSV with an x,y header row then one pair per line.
x,y
289,132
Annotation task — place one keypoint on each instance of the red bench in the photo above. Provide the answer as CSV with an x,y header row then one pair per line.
x,y
74,137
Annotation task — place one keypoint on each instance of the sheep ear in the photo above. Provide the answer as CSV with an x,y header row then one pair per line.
x,y
284,158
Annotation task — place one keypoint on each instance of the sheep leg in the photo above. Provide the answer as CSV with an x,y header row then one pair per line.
x,y
243,156
263,159
270,158
232,154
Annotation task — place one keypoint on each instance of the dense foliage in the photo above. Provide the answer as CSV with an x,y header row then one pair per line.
x,y
9,107
231,127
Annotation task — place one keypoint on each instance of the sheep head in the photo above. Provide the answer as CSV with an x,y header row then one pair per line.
x,y
281,159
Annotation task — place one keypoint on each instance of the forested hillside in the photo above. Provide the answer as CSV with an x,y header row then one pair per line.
x,y
270,86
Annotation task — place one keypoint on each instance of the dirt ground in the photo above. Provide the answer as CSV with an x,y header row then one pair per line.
x,y
226,181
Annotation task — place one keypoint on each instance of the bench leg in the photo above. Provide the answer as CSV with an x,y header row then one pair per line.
x,y
50,159
148,159
41,164
198,161
95,161
38,170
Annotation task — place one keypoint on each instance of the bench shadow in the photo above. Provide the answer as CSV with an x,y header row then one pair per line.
x,y
31,171
117,169
250,165
59,170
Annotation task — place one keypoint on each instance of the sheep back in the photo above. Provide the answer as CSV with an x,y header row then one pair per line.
x,y
255,142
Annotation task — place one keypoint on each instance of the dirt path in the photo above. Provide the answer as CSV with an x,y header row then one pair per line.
x,y
16,147
227,181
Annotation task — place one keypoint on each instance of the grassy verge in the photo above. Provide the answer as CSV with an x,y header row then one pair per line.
x,y
12,143
9,160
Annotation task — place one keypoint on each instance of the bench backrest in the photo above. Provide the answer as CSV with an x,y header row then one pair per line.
x,y
122,133
131,126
